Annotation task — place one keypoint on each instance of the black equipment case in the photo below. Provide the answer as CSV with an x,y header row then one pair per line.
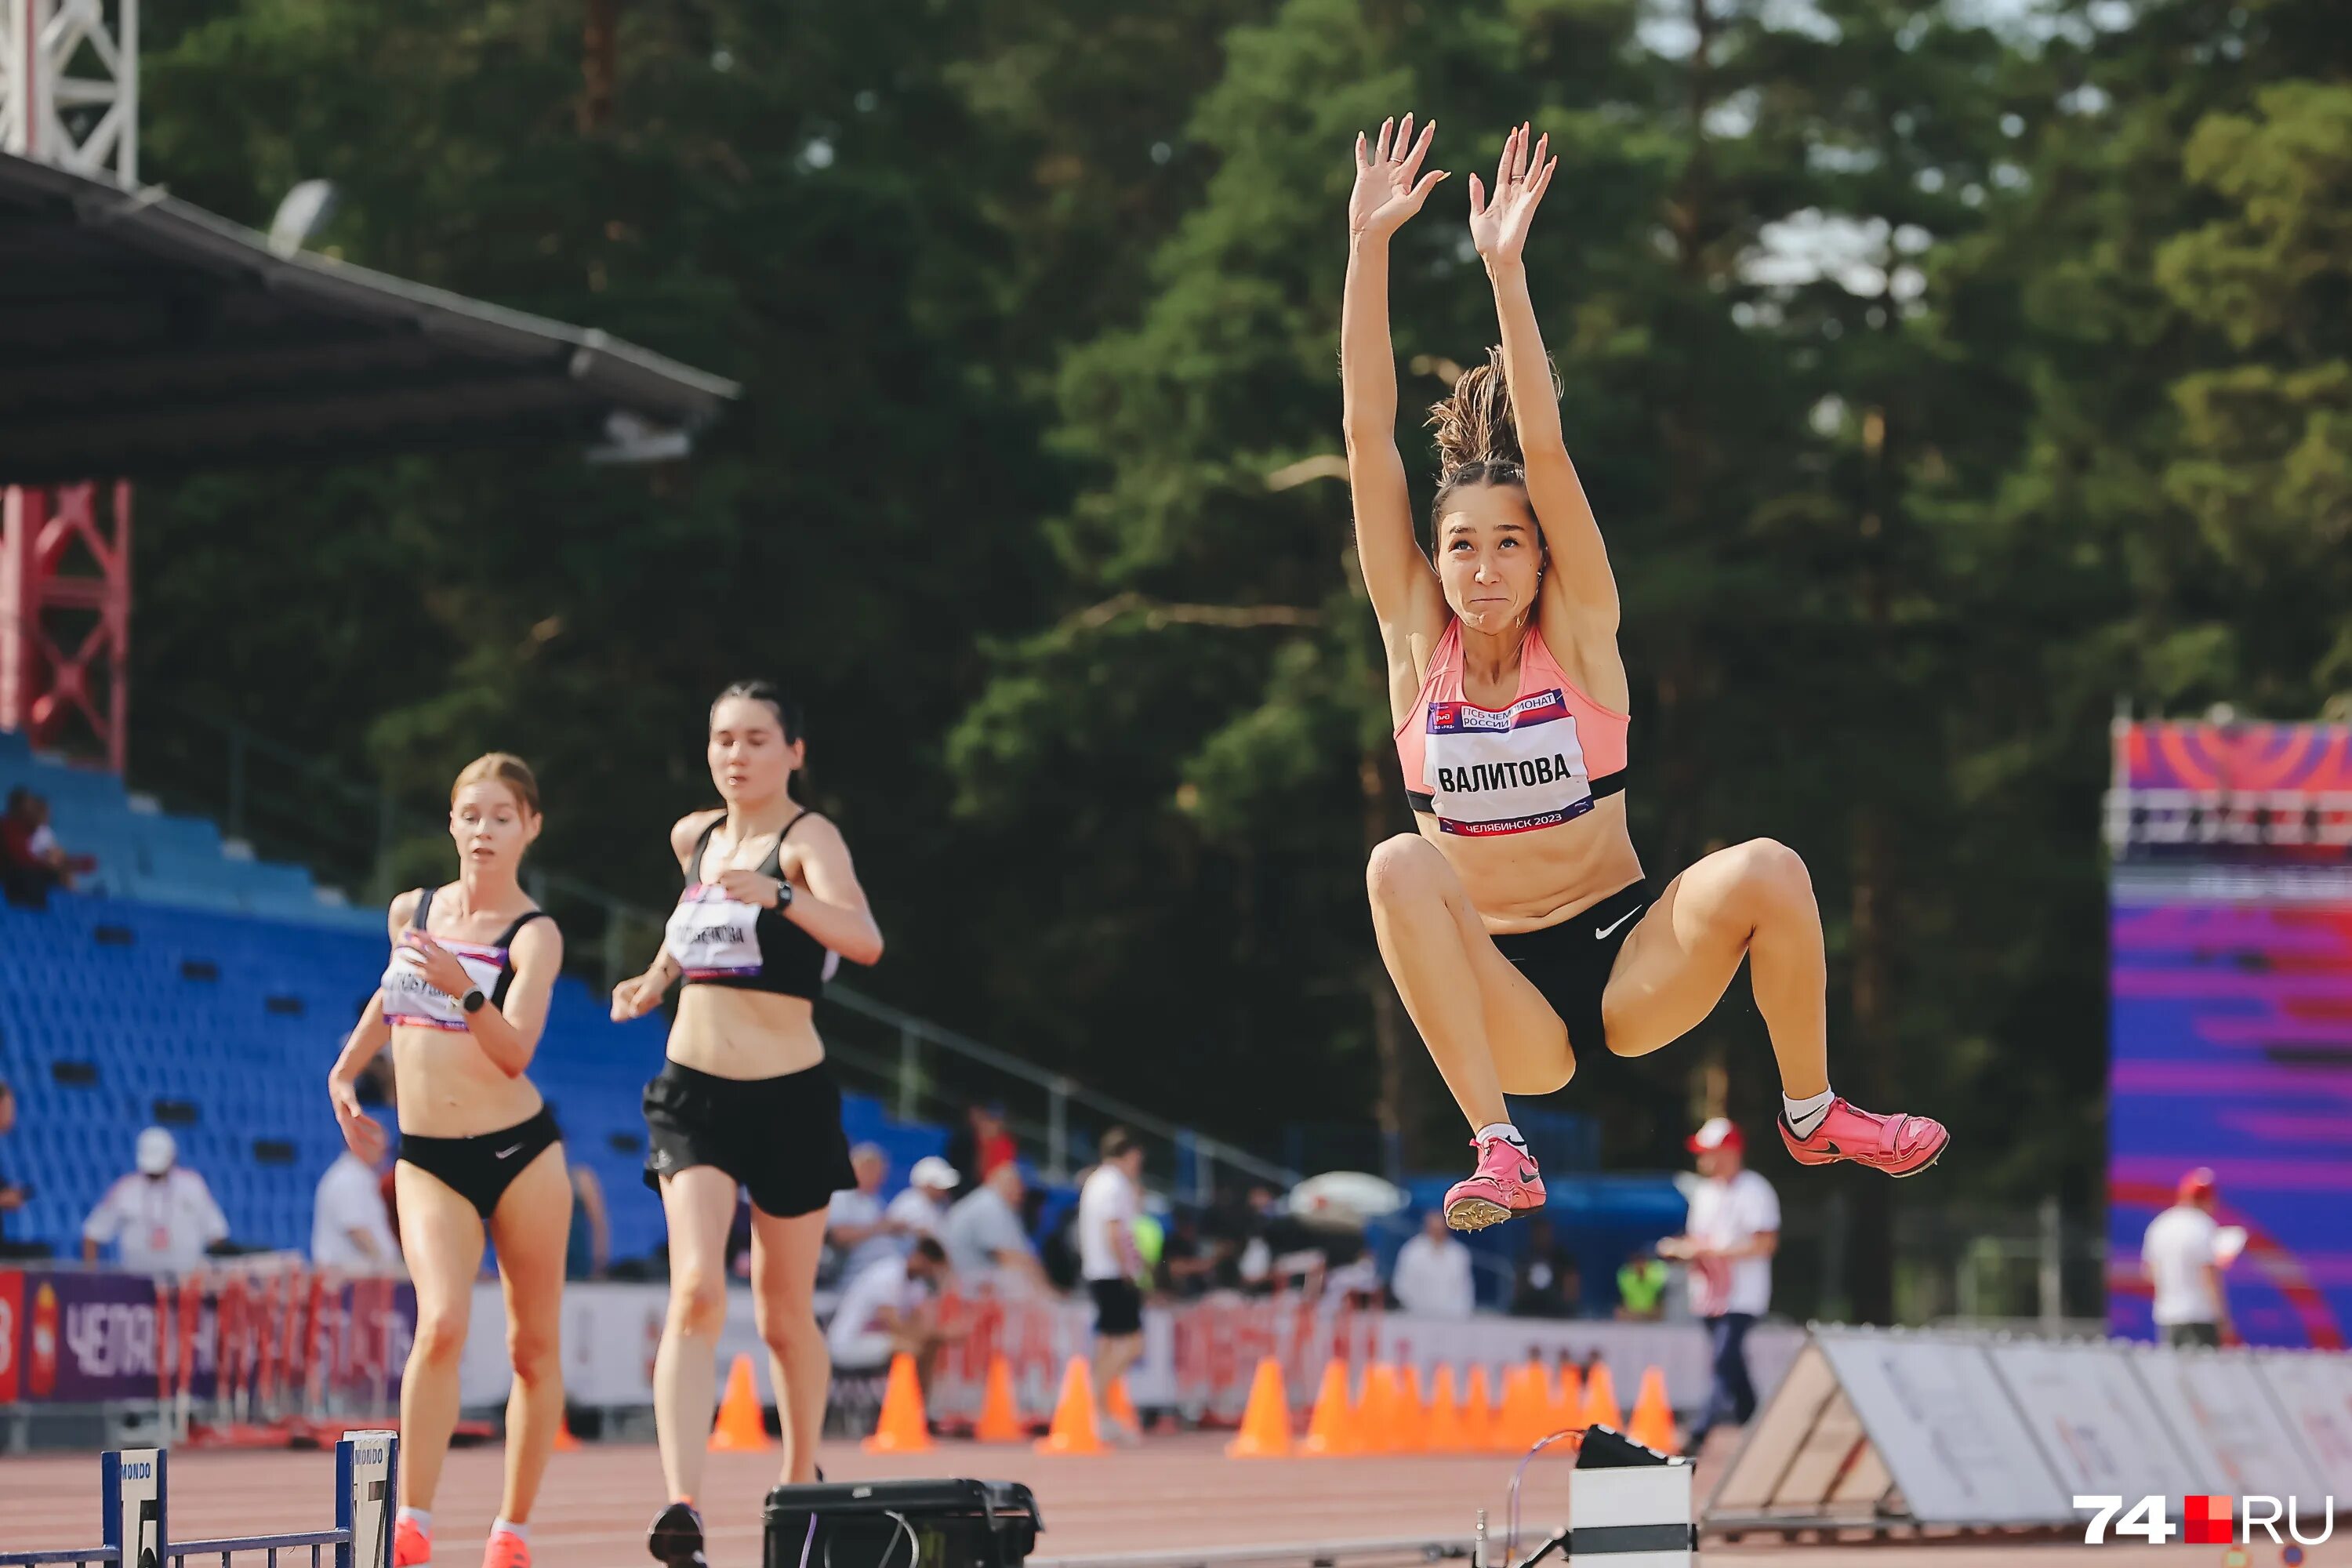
x,y
900,1524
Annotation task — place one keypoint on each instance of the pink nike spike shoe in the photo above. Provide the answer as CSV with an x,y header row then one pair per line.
x,y
1899,1145
1506,1183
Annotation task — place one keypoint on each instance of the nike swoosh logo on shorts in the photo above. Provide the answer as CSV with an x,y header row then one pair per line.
x,y
504,1152
1600,931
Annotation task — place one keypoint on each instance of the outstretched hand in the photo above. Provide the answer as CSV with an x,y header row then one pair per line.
x,y
1389,185
1499,227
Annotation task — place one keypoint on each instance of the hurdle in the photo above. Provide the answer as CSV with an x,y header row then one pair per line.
x,y
135,1531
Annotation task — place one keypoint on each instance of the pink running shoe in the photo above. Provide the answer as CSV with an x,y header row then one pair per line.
x,y
410,1545
1506,1183
505,1549
1900,1145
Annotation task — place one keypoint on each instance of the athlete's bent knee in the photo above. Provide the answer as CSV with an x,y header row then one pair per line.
x,y
440,1339
1403,869
698,1303
532,1352
1772,873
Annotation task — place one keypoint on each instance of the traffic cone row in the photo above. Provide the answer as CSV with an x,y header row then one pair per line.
x,y
1388,1416
1460,1416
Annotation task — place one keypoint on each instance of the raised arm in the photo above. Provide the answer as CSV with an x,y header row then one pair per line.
x,y
1390,188
1580,581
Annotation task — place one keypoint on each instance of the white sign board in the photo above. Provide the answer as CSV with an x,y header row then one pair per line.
x,y
1955,1445
2218,1411
2094,1421
133,1482
2314,1391
366,1468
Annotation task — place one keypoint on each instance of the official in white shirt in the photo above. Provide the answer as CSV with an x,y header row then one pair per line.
x,y
923,1206
349,1228
163,1217
1113,1266
1728,1241
856,1224
2183,1253
1433,1278
890,1308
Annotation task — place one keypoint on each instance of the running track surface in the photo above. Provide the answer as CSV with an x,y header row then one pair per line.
x,y
1177,1493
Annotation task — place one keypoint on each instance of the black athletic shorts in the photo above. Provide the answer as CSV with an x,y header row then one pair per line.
x,y
780,1138
480,1169
1118,1307
1570,962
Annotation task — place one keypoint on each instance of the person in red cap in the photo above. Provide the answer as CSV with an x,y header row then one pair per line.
x,y
2183,1255
1728,1241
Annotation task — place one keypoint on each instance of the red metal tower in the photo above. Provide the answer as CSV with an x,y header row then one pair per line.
x,y
65,553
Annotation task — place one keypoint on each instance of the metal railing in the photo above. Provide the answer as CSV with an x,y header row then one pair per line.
x,y
301,808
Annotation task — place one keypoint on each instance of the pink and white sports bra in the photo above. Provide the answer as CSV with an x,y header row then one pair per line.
x,y
1543,759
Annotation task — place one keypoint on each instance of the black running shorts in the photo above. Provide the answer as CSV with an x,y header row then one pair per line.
x,y
780,1138
1118,1307
1570,961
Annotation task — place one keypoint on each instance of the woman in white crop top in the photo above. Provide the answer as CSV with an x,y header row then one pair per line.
x,y
1517,923
462,1004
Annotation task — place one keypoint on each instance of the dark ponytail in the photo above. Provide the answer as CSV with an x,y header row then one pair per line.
x,y
1477,438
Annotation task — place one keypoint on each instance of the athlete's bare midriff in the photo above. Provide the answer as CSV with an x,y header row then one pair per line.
x,y
731,1033
446,1088
1526,881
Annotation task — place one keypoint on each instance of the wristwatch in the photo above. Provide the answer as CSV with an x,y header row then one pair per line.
x,y
783,895
473,1001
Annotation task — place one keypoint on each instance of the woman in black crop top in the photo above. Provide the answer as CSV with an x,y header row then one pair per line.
x,y
769,906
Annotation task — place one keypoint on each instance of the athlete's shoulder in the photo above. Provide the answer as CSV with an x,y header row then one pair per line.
x,y
402,914
539,938
690,828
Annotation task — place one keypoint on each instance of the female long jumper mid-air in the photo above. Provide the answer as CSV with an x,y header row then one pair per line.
x,y
1517,923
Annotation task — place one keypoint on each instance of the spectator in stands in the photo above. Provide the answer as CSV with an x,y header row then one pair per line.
x,y
1728,1241
13,1195
1431,1279
985,1243
32,864
2183,1253
922,1208
350,1228
981,1145
162,1216
856,1226
1108,1202
1641,1286
1188,1262
892,1309
1547,1285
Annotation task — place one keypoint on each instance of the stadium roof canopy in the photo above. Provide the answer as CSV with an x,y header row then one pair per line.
x,y
141,336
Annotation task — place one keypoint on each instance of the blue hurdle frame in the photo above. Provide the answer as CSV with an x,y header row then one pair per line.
x,y
134,1492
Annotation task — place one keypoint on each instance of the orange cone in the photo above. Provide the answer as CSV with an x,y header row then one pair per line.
x,y
740,1429
1600,1400
1378,1415
1654,1418
1073,1430
1410,1424
999,1414
1265,1423
1526,1415
1567,1401
565,1442
1447,1433
902,1428
1477,1411
1331,1428
1121,1407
